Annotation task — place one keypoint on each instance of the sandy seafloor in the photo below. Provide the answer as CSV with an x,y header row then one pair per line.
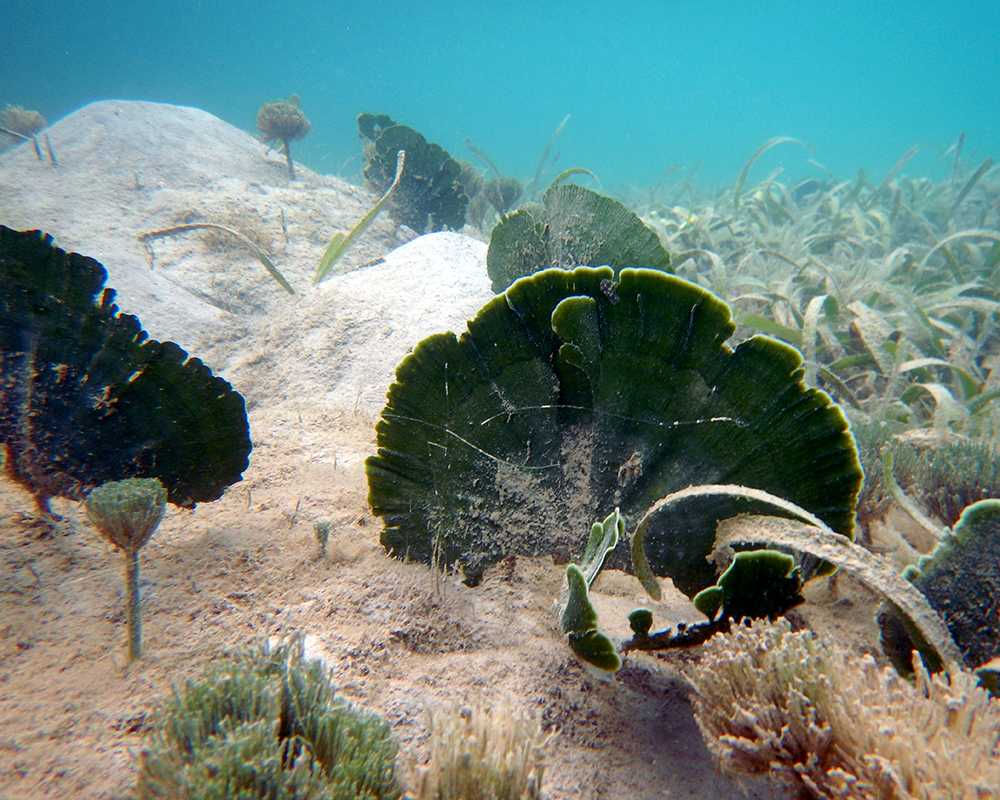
x,y
314,369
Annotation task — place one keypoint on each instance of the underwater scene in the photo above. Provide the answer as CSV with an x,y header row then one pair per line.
x,y
503,402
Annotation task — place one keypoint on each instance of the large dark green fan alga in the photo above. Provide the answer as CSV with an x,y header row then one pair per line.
x,y
88,398
575,392
573,227
430,196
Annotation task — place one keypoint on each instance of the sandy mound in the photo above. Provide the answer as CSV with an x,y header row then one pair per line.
x,y
342,342
126,168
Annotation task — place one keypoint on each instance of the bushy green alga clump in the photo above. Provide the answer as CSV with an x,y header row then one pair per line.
x,y
949,478
22,121
943,479
267,724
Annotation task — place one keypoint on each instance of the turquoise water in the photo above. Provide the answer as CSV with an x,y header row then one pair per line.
x,y
659,86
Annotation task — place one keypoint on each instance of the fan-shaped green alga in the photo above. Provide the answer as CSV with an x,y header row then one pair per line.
x,y
88,398
574,227
576,391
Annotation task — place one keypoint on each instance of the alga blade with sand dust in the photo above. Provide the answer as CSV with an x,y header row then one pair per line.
x,y
574,392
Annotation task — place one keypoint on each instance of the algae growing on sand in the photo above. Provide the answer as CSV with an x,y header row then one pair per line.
x,y
470,451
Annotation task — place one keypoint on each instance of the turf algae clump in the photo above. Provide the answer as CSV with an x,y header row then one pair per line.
x,y
321,533
575,390
267,724
22,121
126,514
948,477
827,723
89,398
19,123
484,751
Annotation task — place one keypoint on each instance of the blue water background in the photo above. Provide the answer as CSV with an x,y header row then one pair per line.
x,y
655,85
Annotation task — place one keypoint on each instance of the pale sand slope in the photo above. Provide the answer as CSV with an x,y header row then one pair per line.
x,y
314,369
